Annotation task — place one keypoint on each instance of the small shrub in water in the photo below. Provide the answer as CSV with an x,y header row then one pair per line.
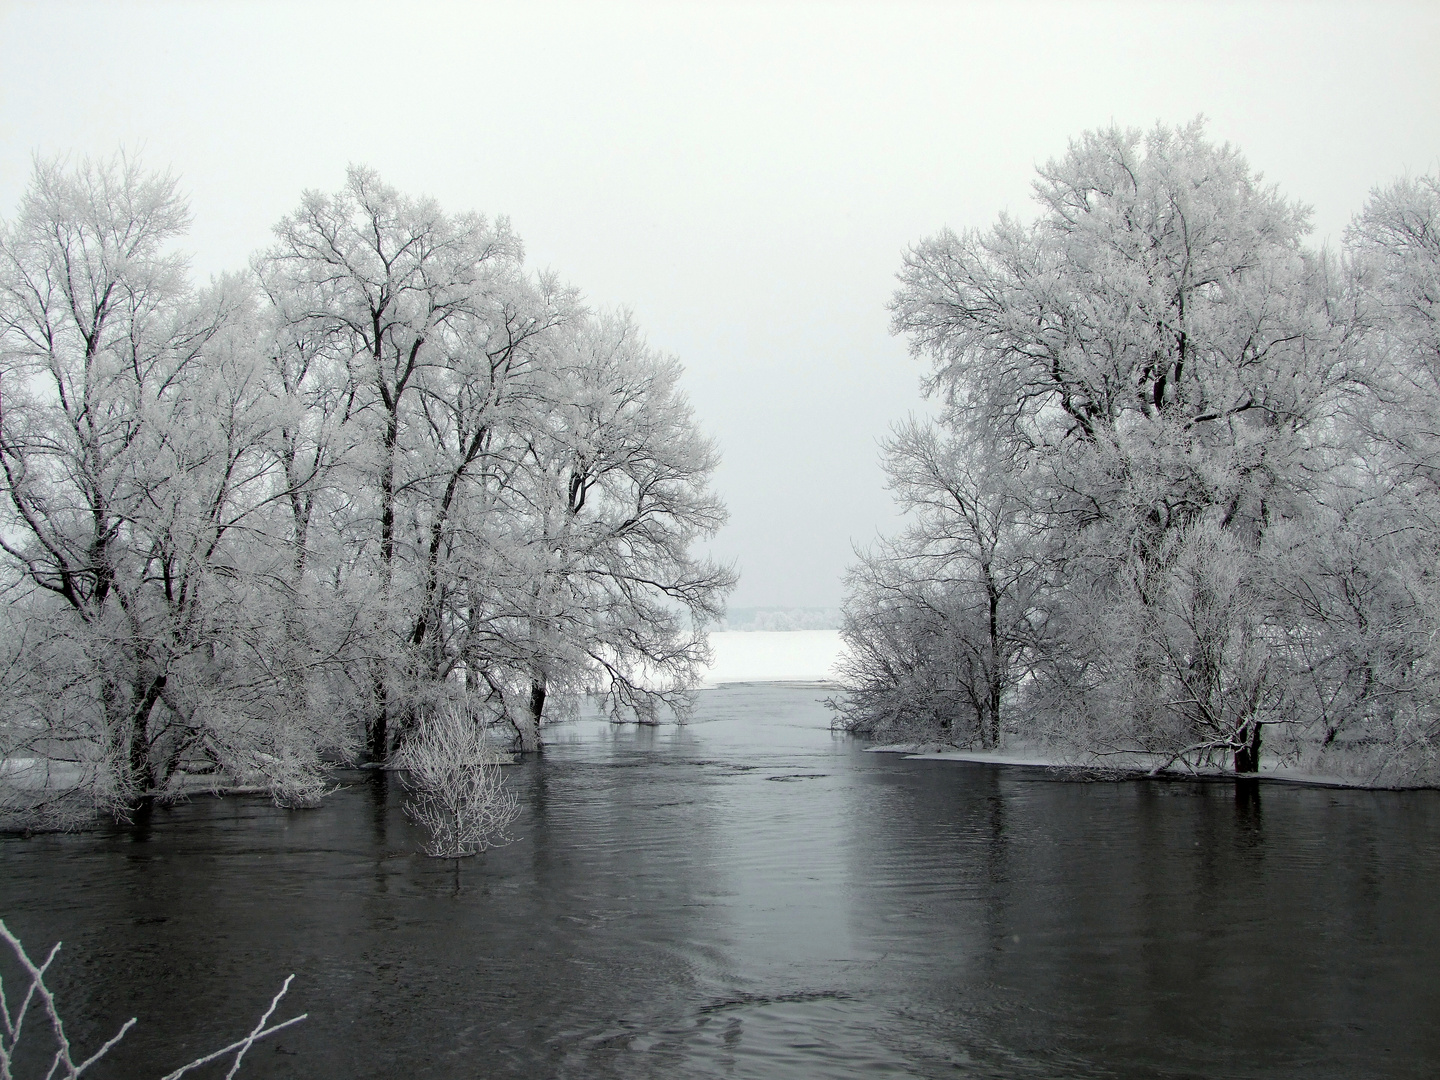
x,y
457,792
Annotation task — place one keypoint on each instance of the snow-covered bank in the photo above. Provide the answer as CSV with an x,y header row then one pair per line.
x,y
773,656
1128,766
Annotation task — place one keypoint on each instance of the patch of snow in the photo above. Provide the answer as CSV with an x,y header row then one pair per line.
x,y
994,757
1133,764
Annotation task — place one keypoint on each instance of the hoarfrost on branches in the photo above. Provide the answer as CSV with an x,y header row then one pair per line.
x,y
38,997
457,789
1215,446
253,527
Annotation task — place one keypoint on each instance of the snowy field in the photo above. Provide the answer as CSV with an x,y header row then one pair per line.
x,y
773,656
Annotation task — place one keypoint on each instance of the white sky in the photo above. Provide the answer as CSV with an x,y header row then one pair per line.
x,y
743,176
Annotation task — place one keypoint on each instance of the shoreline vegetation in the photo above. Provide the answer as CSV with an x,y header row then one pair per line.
x,y
1179,494
384,471
36,794
1074,766
797,659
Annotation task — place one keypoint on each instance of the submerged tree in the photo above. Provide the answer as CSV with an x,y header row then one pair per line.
x,y
433,319
614,497
525,479
457,792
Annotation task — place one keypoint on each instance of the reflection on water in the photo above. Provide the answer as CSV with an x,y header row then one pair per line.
x,y
751,896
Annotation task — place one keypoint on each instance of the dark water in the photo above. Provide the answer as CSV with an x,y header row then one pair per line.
x,y
750,896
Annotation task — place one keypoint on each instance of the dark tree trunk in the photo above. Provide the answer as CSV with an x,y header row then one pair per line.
x,y
988,710
377,727
992,704
527,724
1247,755
142,767
1247,800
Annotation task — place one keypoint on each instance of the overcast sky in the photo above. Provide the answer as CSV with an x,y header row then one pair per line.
x,y
743,176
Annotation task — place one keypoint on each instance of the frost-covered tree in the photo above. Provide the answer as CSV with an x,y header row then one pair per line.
x,y
241,523
457,792
522,481
1360,586
431,316
131,434
612,492
312,444
1167,364
938,620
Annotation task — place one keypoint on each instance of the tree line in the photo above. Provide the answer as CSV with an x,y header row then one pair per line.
x,y
251,523
1179,498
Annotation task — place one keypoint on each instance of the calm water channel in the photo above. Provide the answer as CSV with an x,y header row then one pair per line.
x,y
750,896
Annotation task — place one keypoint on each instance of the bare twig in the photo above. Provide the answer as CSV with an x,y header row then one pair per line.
x,y
259,1032
62,1065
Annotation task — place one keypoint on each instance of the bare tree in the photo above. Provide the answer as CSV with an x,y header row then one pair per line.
x,y
405,291
241,521
938,621
612,498
130,436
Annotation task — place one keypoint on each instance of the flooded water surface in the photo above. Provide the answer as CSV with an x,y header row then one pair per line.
x,y
752,896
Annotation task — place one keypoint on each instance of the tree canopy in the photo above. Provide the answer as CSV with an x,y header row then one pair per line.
x,y
1167,418
277,517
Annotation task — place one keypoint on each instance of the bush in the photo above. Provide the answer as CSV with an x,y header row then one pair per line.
x,y
453,774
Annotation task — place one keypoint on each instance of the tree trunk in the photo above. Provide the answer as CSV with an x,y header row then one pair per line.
x,y
1247,755
377,734
377,731
993,708
142,768
996,677
117,735
528,725
297,634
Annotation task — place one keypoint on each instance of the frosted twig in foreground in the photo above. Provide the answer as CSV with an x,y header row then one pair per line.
x,y
62,1065
257,1033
